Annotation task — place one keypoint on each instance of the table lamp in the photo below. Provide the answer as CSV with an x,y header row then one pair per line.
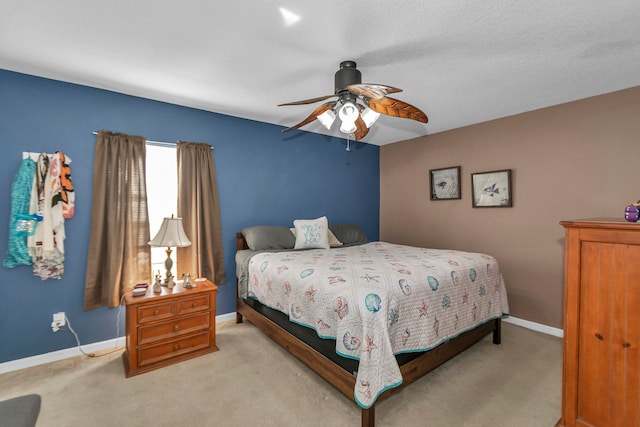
x,y
171,234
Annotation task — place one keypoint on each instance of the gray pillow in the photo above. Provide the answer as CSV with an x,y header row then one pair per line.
x,y
349,234
266,237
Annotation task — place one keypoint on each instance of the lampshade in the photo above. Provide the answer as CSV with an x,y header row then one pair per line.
x,y
348,114
327,118
369,116
348,127
348,111
171,234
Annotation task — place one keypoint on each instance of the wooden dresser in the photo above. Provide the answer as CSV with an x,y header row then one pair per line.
x,y
168,327
601,352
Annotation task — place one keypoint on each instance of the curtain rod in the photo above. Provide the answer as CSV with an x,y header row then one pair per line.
x,y
158,143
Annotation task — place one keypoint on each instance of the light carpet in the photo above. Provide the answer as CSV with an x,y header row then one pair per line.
x,y
253,381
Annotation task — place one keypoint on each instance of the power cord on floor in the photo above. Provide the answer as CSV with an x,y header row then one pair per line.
x,y
118,316
70,329
75,335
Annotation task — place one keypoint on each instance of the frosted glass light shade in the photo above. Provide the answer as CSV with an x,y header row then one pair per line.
x,y
369,116
348,127
171,234
348,112
348,115
327,118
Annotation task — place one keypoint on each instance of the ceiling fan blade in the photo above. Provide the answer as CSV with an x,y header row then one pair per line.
x,y
361,129
395,108
372,90
321,109
308,101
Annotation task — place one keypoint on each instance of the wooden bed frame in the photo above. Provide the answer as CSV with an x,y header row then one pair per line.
x,y
344,381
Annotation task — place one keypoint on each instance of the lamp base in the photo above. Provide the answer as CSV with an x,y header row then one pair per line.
x,y
168,263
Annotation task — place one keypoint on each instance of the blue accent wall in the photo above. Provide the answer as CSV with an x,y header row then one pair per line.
x,y
264,177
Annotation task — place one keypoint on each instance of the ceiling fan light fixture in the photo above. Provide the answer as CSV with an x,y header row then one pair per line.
x,y
327,118
348,127
348,114
358,105
369,116
348,111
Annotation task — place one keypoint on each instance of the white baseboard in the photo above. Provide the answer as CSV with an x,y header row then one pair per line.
x,y
54,356
41,359
534,326
226,317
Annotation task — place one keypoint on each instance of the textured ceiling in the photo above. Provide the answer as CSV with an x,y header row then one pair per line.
x,y
461,62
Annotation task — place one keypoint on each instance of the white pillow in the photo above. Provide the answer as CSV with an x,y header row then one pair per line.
x,y
333,240
311,233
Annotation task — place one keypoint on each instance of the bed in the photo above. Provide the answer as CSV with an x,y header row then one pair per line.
x,y
368,317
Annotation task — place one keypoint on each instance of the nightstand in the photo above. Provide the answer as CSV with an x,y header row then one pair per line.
x,y
169,327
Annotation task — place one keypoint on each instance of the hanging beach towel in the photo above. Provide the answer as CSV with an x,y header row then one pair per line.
x,y
17,251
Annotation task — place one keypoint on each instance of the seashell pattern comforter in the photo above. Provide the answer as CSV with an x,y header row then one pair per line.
x,y
380,299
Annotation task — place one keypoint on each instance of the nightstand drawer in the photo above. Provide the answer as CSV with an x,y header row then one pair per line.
x,y
170,330
150,313
191,305
158,353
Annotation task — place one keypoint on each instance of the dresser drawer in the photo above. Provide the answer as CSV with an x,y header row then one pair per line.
x,y
173,329
191,305
153,312
154,354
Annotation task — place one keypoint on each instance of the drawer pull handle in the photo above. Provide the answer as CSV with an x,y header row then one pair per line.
x,y
193,305
599,336
176,328
155,312
626,345
176,347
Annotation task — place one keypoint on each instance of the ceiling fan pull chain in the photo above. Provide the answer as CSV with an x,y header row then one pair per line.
x,y
349,142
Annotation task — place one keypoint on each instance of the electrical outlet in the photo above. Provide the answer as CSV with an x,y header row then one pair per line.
x,y
58,321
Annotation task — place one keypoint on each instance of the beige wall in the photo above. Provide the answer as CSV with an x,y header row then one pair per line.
x,y
575,160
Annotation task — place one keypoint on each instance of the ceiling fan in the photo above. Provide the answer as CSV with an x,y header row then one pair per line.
x,y
358,105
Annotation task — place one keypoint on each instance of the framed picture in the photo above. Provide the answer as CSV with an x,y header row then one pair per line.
x,y
445,183
491,189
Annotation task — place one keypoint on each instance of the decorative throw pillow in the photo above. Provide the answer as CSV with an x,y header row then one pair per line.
x,y
333,240
311,233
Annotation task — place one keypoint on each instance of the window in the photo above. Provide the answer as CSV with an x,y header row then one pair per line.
x,y
119,261
162,198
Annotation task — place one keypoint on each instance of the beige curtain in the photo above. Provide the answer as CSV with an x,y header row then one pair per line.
x,y
119,255
199,208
